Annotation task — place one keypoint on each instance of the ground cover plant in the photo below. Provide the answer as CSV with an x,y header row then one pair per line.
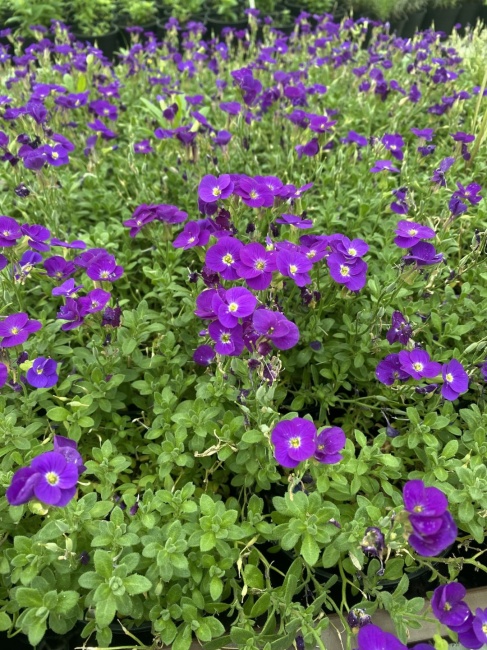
x,y
242,334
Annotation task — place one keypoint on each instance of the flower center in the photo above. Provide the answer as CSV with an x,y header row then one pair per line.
x,y
259,265
6,233
418,366
295,442
418,508
15,330
191,240
105,274
233,306
216,191
344,270
228,259
55,155
449,377
484,628
447,607
352,252
52,478
254,194
39,371
310,254
412,232
225,337
293,269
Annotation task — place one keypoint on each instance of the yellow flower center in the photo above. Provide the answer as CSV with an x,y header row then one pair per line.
x,y
310,254
446,607
15,330
105,274
6,233
418,366
418,508
295,443
232,306
260,265
191,240
344,270
52,478
412,232
228,259
39,371
352,252
225,337
253,194
449,377
293,269
55,155
216,191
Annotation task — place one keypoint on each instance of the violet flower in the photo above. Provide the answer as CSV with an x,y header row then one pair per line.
x,y
329,443
256,265
350,273
455,380
371,637
10,231
228,340
203,355
212,189
423,254
294,441
417,364
233,304
381,165
16,329
223,257
448,605
3,374
409,233
294,265
283,333
400,330
389,370
43,373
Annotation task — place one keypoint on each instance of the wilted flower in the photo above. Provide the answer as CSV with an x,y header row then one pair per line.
x,y
400,330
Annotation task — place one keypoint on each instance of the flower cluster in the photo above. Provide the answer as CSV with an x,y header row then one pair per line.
x,y
50,478
410,234
434,529
297,440
450,609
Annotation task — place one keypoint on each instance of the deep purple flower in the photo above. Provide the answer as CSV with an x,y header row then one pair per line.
x,y
329,443
105,269
479,624
448,605
294,265
295,220
233,304
222,138
427,150
37,235
223,257
410,233
423,254
102,130
228,340
55,156
357,618
195,233
211,188
350,272
102,108
71,312
22,190
283,333
67,289
354,137
381,165
204,302
371,637
94,301
57,267
400,206
429,545
16,328
469,193
203,355
144,147
455,380
294,441
424,134
256,266
400,330
350,250
310,149
439,173
232,108
69,449
21,489
3,374
254,193
389,370
10,231
43,373
394,143
422,501
77,243
57,478
456,206
417,364
112,317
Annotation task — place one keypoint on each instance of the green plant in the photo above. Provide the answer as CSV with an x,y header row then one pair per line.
x,y
230,10
26,13
92,18
138,12
183,11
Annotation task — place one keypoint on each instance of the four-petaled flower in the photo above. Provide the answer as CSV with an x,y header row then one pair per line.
x,y
16,328
42,373
294,441
455,380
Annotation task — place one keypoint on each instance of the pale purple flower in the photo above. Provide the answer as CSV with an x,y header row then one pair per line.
x,y
223,257
283,333
67,289
94,301
350,272
233,304
195,233
228,340
256,265
57,478
10,231
254,193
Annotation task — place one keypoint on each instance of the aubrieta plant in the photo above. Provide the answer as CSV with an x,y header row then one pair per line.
x,y
242,335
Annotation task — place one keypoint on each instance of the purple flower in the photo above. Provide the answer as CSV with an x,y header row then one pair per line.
x,y
400,330
56,484
37,236
102,130
195,233
105,269
373,542
381,165
111,317
69,449
10,231
43,373
203,355
294,265
283,333
71,312
77,243
394,143
424,134
223,257
469,193
93,301
357,618
410,233
400,206
3,374
371,637
350,272
422,501
354,137
222,138
144,146
253,193
456,206
67,289
229,340
57,267
328,445
423,254
232,108
295,220
16,328
431,544
256,266
211,188
479,624
448,605
21,489
417,364
233,304
439,173
389,369
294,441
310,149
455,380
55,156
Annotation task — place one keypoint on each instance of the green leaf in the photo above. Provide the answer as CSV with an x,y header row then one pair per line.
x,y
101,509
136,584
26,597
330,557
66,601
183,639
310,549
36,630
261,605
253,577
450,449
5,622
217,644
207,542
466,511
89,580
58,414
216,588
105,610
240,636
103,563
